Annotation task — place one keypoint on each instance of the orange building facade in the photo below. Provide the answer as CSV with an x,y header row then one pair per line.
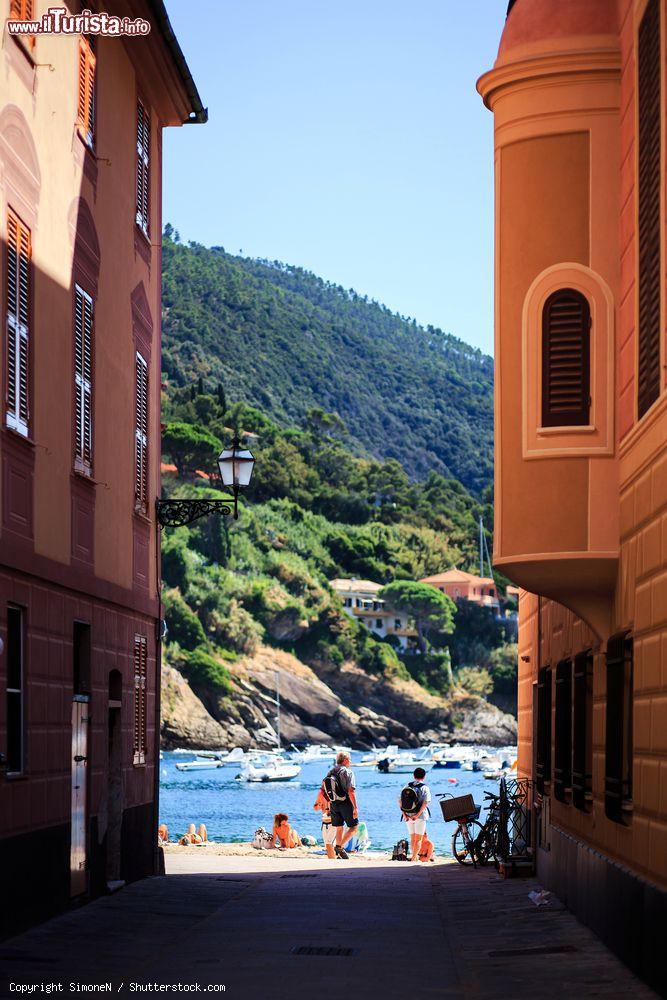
x,y
81,119
458,584
578,94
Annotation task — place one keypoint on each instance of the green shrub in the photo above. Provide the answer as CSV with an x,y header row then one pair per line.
x,y
204,670
236,629
433,671
475,680
183,624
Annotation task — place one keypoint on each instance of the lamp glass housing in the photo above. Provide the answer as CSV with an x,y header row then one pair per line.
x,y
236,465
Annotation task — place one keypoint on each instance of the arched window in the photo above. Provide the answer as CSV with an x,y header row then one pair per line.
x,y
566,325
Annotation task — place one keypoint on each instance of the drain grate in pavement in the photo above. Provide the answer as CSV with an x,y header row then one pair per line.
x,y
555,949
327,951
24,956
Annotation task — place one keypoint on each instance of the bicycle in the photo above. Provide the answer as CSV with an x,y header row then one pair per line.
x,y
472,842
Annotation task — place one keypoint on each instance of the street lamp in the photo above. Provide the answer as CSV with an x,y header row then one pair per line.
x,y
236,466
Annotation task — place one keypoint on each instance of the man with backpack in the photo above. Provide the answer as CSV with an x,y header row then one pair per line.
x,y
339,786
414,801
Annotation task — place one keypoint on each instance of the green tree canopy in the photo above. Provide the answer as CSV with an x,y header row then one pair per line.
x,y
430,609
190,447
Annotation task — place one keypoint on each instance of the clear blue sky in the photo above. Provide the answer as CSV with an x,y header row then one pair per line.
x,y
346,136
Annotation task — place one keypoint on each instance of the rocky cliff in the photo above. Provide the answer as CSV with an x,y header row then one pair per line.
x,y
340,705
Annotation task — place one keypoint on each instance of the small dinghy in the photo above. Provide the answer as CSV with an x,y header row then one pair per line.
x,y
210,764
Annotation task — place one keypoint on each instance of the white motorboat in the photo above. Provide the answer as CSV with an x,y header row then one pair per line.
x,y
314,752
403,765
235,756
269,770
208,764
374,756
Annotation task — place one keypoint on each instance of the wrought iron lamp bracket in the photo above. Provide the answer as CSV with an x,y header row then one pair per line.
x,y
175,513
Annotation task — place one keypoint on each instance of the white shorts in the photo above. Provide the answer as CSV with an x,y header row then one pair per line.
x,y
416,827
328,833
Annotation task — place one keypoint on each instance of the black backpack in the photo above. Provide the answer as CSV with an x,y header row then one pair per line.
x,y
411,799
400,851
332,788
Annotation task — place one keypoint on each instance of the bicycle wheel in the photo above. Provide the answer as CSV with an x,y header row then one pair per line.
x,y
484,847
463,842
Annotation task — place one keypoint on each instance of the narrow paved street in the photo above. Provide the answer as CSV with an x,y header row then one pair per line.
x,y
390,931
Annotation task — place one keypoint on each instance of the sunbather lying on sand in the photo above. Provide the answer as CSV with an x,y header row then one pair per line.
x,y
195,836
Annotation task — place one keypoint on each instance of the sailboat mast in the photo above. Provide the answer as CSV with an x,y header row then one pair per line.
x,y
481,546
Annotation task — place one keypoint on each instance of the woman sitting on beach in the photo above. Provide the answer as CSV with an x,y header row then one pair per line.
x,y
283,832
162,834
426,850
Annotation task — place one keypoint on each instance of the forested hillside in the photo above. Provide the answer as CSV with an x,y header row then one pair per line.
x,y
314,511
281,339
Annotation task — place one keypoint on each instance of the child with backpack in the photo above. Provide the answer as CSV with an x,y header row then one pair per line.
x,y
414,800
323,805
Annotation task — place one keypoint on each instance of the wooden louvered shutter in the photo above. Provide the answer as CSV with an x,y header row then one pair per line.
x,y
83,382
566,324
543,755
582,722
648,85
140,708
141,436
618,730
18,291
86,92
22,10
143,168
563,747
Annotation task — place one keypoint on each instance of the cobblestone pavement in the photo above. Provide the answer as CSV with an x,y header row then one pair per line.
x,y
312,930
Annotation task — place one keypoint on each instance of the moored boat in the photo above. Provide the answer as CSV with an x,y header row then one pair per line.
x,y
208,764
269,770
403,765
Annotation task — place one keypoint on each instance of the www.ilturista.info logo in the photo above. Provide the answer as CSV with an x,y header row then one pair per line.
x,y
58,21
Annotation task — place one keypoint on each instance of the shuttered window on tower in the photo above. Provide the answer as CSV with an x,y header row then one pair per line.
x,y
143,168
563,732
141,435
83,381
618,730
140,674
18,290
648,88
582,730
85,118
566,334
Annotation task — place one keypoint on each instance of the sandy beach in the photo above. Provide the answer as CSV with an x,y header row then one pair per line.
x,y
246,850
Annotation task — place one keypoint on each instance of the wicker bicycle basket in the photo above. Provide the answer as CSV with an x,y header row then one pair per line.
x,y
457,808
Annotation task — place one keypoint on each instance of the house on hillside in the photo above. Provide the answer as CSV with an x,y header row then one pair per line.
x,y
361,601
80,617
458,584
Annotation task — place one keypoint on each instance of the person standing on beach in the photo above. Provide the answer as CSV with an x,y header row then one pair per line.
x,y
340,788
323,805
414,800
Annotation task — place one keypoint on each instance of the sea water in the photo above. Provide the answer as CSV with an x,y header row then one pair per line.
x,y
232,810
